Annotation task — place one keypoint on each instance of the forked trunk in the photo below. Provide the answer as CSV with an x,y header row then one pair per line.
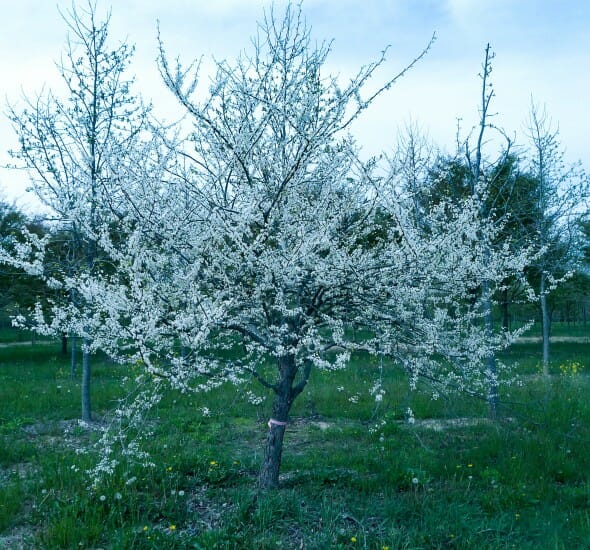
x,y
284,396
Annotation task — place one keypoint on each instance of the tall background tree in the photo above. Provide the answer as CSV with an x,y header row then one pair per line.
x,y
72,145
561,199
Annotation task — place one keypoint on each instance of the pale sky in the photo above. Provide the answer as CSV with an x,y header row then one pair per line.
x,y
542,49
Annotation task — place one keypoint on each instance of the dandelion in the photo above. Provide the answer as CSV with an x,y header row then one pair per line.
x,y
145,528
180,493
385,548
470,465
118,496
169,469
353,539
415,480
172,528
213,463
102,498
517,516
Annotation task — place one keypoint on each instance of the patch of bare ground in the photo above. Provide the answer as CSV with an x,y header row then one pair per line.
x,y
299,427
207,513
22,470
442,424
64,434
18,538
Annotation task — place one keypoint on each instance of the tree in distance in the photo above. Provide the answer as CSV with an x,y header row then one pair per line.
x,y
73,147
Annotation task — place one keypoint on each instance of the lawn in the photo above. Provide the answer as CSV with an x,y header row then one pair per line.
x,y
355,474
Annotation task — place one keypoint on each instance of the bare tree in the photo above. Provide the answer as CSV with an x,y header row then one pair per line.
x,y
561,199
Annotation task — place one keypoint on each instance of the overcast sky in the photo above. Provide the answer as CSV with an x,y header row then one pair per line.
x,y
542,50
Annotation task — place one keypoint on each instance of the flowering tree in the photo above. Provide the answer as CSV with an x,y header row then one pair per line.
x,y
261,237
263,232
72,148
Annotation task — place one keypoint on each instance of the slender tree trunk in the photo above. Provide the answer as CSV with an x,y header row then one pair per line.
x,y
505,311
545,323
284,396
86,408
491,358
73,356
64,344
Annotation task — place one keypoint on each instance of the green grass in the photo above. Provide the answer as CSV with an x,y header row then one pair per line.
x,y
559,329
354,475
10,335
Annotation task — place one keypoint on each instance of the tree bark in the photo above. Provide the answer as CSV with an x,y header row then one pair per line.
x,y
545,323
505,310
64,344
491,358
284,396
86,408
73,356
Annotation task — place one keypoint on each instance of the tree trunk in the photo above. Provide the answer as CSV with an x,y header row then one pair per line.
x,y
545,323
505,310
284,396
64,344
86,409
491,358
273,450
73,356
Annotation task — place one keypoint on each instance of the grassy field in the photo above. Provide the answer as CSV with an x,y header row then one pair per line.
x,y
354,475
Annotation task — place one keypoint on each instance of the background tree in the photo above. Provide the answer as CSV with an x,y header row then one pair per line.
x,y
561,199
488,180
18,290
72,148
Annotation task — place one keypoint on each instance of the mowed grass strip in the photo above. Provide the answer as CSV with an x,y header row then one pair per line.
x,y
355,474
